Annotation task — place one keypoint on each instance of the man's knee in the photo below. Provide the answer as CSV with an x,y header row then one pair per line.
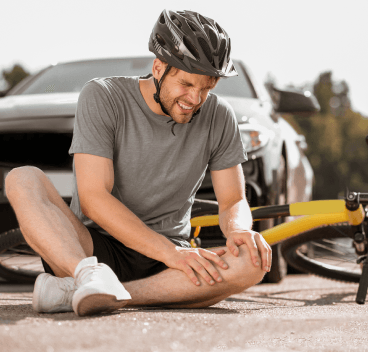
x,y
245,274
21,178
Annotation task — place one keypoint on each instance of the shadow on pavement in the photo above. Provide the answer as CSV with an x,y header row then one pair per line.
x,y
322,300
11,314
9,287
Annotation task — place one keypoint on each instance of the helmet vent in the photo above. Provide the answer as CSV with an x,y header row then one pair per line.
x,y
160,40
162,19
213,36
206,49
175,51
176,21
202,20
219,28
221,52
190,46
191,25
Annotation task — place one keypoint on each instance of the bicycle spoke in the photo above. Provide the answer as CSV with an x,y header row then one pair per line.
x,y
334,259
326,251
345,260
326,247
337,261
336,243
346,257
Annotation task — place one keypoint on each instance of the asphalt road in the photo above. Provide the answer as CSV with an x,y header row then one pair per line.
x,y
303,313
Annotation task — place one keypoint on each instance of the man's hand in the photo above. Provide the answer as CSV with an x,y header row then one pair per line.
x,y
255,242
198,260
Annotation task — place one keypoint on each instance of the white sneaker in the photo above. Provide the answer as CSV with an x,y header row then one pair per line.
x,y
98,289
53,294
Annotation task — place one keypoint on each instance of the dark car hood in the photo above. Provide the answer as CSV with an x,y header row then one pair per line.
x,y
48,111
64,104
38,105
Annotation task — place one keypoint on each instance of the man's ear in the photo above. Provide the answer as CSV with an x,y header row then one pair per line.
x,y
158,68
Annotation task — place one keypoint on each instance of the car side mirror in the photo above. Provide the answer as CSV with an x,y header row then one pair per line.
x,y
294,102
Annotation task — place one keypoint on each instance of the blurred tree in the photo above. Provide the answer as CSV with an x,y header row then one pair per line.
x,y
14,76
323,91
336,140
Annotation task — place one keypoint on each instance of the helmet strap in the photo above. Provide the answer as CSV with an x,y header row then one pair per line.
x,y
156,96
157,99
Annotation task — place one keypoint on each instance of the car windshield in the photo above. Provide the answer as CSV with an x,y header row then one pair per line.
x,y
70,77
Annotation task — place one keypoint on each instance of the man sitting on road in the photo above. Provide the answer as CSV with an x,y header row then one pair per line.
x,y
123,241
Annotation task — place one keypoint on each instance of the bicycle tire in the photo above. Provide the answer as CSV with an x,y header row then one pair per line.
x,y
18,261
337,264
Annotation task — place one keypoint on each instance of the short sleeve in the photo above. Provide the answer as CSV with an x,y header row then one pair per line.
x,y
227,145
95,122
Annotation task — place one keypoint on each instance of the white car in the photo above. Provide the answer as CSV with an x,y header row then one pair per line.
x,y
37,118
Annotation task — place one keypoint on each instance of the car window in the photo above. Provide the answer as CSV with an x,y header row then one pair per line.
x,y
238,86
70,77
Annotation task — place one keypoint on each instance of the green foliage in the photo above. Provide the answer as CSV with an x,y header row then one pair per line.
x,y
323,91
336,141
14,75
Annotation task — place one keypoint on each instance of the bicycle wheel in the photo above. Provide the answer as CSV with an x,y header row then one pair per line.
x,y
325,251
18,261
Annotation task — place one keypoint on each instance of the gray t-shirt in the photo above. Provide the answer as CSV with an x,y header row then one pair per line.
x,y
156,174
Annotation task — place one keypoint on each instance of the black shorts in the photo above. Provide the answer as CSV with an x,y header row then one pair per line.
x,y
126,263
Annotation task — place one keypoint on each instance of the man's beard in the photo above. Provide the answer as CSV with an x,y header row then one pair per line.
x,y
169,105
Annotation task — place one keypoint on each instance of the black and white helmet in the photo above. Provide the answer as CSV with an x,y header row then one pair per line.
x,y
192,43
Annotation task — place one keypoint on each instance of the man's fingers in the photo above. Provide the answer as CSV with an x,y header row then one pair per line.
x,y
251,243
233,248
190,273
215,257
266,252
219,252
197,265
211,269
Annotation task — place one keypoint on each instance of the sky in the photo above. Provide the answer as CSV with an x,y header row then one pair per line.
x,y
292,40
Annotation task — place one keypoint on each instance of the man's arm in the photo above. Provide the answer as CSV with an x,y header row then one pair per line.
x,y
235,216
95,181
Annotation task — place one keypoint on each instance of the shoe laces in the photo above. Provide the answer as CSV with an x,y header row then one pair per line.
x,y
68,287
87,273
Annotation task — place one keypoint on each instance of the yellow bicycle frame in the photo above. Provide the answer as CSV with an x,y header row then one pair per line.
x,y
316,213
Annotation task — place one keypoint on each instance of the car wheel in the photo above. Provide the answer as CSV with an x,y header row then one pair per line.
x,y
279,265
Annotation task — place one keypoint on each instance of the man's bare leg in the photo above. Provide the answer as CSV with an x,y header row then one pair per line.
x,y
53,231
47,223
172,288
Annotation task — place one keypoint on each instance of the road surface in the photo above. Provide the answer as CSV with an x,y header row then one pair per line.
x,y
302,313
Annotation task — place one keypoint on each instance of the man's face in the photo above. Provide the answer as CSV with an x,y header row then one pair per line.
x,y
182,93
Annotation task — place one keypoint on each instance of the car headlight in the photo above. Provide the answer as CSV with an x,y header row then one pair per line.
x,y
255,137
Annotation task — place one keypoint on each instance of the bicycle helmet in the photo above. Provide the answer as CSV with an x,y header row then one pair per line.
x,y
192,43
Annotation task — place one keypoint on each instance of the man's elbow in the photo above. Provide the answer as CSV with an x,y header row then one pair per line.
x,y
88,201
84,207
